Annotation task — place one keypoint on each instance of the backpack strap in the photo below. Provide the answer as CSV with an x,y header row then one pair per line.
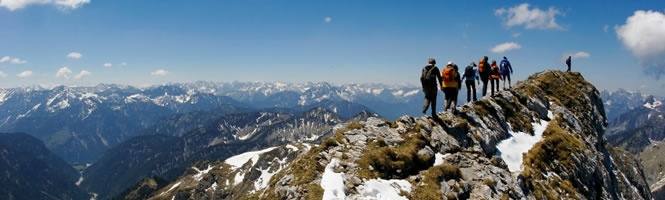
x,y
429,72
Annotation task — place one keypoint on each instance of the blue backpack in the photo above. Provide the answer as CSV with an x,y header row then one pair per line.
x,y
504,67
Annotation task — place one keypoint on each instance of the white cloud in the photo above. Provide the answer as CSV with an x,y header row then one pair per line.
x,y
505,47
644,36
108,64
159,72
82,74
70,4
24,74
63,72
606,28
74,55
581,54
327,19
61,4
3,74
521,15
516,35
123,63
12,60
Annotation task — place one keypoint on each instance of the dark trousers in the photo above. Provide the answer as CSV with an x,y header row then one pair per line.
x,y
430,98
471,88
568,67
484,79
492,81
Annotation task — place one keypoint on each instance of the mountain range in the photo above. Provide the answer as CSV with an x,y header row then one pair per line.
x,y
276,140
622,101
641,131
81,123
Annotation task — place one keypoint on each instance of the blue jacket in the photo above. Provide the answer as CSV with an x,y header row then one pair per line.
x,y
472,75
505,67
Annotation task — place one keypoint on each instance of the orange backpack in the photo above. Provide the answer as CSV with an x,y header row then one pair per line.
x,y
448,74
481,66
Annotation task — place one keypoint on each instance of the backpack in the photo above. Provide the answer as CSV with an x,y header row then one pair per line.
x,y
448,74
468,72
427,75
482,68
504,67
495,70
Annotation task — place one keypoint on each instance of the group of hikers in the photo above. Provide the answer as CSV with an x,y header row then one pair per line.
x,y
450,81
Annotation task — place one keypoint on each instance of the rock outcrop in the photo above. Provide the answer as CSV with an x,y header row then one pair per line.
x,y
456,156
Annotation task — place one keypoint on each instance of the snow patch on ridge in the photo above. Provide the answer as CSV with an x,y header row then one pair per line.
x,y
511,149
239,160
384,189
333,183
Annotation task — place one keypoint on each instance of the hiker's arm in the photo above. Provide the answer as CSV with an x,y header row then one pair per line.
x,y
438,78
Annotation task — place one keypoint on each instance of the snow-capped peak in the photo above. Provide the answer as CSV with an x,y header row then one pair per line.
x,y
653,104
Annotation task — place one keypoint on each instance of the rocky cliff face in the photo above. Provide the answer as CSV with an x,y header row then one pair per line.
x,y
457,156
641,131
541,140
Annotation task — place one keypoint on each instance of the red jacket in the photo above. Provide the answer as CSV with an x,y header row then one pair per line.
x,y
495,74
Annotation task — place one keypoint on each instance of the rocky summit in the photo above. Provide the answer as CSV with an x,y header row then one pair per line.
x,y
543,139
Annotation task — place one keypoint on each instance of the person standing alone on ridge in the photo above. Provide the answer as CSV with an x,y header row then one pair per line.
x,y
484,72
450,86
568,63
506,71
430,79
471,76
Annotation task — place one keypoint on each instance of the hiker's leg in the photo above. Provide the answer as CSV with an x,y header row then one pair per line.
x,y
503,78
496,82
468,90
427,101
454,100
433,102
425,105
473,87
484,86
497,85
492,86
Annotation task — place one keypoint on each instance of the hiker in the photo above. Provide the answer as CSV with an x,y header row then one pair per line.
x,y
450,86
484,72
430,79
495,75
471,76
506,71
568,63
459,80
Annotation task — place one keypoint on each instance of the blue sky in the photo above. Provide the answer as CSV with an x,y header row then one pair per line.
x,y
87,42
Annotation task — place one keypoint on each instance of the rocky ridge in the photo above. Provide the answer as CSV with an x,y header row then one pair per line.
x,y
456,156
571,161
